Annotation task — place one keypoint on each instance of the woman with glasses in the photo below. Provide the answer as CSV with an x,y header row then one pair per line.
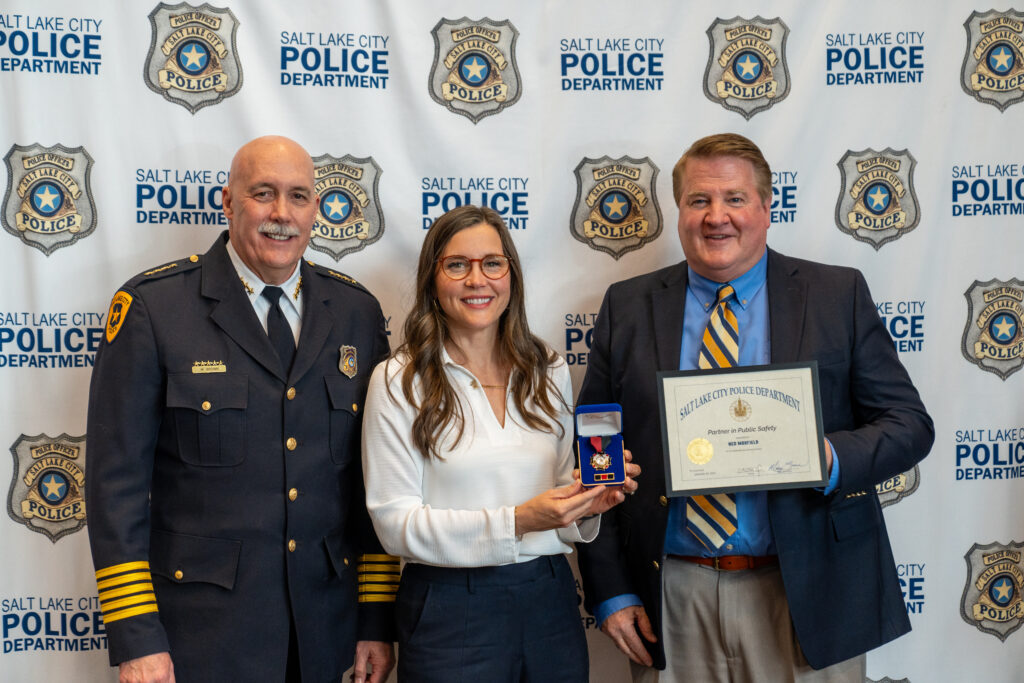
x,y
468,464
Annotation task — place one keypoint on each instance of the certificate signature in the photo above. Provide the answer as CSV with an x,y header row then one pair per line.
x,y
777,467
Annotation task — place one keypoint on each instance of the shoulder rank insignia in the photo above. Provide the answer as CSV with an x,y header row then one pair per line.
x,y
167,269
161,269
341,276
119,306
323,270
347,363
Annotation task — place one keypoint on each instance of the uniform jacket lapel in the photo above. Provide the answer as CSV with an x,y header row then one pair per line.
x,y
233,312
317,322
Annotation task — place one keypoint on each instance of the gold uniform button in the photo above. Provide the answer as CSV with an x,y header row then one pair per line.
x,y
293,494
663,501
656,565
193,258
207,405
290,393
345,560
355,407
291,546
179,575
291,443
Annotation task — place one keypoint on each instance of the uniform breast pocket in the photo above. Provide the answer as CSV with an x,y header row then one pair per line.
x,y
344,395
209,417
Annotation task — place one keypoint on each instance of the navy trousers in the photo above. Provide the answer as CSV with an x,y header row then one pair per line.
x,y
516,623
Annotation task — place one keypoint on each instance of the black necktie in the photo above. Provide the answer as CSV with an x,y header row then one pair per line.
x,y
278,329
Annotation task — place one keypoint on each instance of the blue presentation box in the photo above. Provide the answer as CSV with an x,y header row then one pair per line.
x,y
599,442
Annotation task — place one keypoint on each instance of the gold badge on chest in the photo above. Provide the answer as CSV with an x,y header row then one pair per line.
x,y
347,361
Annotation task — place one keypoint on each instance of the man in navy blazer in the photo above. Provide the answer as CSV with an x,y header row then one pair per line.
x,y
807,583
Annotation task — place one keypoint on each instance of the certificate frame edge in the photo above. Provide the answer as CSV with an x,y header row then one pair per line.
x,y
811,365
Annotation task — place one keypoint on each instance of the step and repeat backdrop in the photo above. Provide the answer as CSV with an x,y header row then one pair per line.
x,y
893,131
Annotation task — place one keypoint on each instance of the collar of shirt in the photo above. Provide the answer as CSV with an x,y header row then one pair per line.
x,y
292,309
446,359
746,285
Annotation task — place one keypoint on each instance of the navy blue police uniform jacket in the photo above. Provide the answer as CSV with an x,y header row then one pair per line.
x,y
834,554
225,497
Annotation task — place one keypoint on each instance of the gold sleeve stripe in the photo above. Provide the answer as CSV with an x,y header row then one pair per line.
x,y
378,588
126,590
379,578
376,597
378,558
133,612
140,599
119,568
363,568
123,579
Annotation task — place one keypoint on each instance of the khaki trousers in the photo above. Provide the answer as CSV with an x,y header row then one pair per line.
x,y
733,627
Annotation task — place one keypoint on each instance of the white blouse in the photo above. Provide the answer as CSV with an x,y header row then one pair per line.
x,y
460,511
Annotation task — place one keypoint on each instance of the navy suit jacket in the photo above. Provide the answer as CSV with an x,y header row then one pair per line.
x,y
190,471
834,553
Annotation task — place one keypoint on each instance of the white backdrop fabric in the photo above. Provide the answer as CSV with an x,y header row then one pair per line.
x,y
889,126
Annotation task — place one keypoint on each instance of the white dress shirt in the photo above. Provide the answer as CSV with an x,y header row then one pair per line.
x,y
460,511
290,302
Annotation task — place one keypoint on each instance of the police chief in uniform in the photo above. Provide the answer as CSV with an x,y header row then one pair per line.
x,y
227,516
780,585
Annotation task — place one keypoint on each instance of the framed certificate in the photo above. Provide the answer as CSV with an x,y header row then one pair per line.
x,y
748,428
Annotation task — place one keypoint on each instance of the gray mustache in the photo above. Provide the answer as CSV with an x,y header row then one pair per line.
x,y
279,230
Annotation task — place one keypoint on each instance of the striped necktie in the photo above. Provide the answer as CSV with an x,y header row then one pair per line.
x,y
712,518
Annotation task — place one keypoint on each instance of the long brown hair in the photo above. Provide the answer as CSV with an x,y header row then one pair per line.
x,y
426,330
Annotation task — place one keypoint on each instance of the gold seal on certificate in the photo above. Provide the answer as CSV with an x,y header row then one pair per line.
x,y
700,451
746,428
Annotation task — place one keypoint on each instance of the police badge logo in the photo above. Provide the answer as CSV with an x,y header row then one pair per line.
x,y
347,362
474,71
894,489
53,206
993,68
992,596
48,484
197,62
877,200
349,217
747,70
993,339
616,208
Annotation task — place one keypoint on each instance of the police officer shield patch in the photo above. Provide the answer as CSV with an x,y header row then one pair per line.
x,y
347,362
616,208
993,68
193,59
350,217
992,596
877,201
747,70
993,339
474,71
49,204
48,484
